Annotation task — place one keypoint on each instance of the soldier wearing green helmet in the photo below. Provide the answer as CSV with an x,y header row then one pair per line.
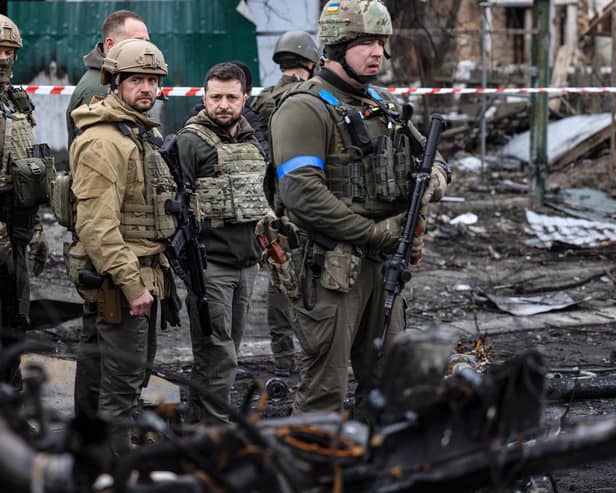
x,y
18,201
297,54
344,154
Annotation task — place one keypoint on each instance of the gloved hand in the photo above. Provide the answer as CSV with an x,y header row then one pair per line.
x,y
417,245
39,251
436,188
386,233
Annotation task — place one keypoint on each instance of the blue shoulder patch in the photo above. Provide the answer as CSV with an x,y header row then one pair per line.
x,y
328,97
374,95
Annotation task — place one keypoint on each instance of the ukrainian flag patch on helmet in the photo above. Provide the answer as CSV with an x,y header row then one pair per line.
x,y
333,7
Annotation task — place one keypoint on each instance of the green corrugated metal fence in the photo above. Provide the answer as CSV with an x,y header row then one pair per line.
x,y
193,35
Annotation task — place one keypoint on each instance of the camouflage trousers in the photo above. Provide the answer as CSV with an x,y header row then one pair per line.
x,y
341,328
215,355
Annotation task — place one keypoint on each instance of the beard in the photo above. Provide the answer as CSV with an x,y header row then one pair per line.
x,y
225,124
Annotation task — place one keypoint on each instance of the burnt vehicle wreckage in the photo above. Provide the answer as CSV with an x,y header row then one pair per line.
x,y
428,433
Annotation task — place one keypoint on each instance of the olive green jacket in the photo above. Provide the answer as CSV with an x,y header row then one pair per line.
x,y
88,86
234,244
302,126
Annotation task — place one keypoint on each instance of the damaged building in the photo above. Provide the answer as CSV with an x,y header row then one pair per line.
x,y
505,379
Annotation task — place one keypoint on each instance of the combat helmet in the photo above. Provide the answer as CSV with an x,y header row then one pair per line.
x,y
343,21
132,56
9,38
9,33
294,45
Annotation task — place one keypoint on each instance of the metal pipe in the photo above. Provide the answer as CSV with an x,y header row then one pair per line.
x,y
539,128
484,84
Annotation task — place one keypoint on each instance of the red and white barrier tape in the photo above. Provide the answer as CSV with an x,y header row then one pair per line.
x,y
407,91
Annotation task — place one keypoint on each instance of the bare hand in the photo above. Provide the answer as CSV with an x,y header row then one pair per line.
x,y
142,304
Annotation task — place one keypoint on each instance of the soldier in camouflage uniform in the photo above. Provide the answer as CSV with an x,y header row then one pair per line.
x,y
221,157
297,54
120,184
344,159
19,215
118,26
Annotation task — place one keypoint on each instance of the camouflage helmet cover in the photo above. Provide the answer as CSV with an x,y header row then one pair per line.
x,y
297,43
9,33
135,56
345,20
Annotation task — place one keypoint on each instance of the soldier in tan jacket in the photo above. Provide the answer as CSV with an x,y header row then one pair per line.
x,y
120,184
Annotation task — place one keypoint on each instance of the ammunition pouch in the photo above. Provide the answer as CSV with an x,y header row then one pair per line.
x,y
63,200
332,264
30,182
382,164
341,266
76,260
32,177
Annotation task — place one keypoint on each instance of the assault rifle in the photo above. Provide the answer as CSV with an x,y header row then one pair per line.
x,y
397,273
186,253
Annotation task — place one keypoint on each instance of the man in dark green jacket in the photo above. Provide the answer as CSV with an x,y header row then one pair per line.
x,y
222,159
118,26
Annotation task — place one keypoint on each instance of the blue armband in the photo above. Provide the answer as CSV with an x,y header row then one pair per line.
x,y
298,162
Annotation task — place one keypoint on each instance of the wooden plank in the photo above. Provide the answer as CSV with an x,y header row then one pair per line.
x,y
601,25
582,149
560,72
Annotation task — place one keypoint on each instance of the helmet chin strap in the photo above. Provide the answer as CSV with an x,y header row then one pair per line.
x,y
362,79
337,53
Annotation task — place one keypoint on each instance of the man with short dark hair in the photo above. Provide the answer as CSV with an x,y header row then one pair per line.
x,y
118,26
223,161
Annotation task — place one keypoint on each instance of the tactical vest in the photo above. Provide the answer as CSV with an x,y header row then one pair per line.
x,y
149,220
268,101
235,194
372,166
29,168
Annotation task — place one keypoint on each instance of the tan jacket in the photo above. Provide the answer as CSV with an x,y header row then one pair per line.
x,y
107,169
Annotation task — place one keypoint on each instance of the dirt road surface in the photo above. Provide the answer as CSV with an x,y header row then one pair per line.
x,y
462,263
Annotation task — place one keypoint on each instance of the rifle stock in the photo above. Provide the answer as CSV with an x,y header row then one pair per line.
x,y
187,255
397,272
